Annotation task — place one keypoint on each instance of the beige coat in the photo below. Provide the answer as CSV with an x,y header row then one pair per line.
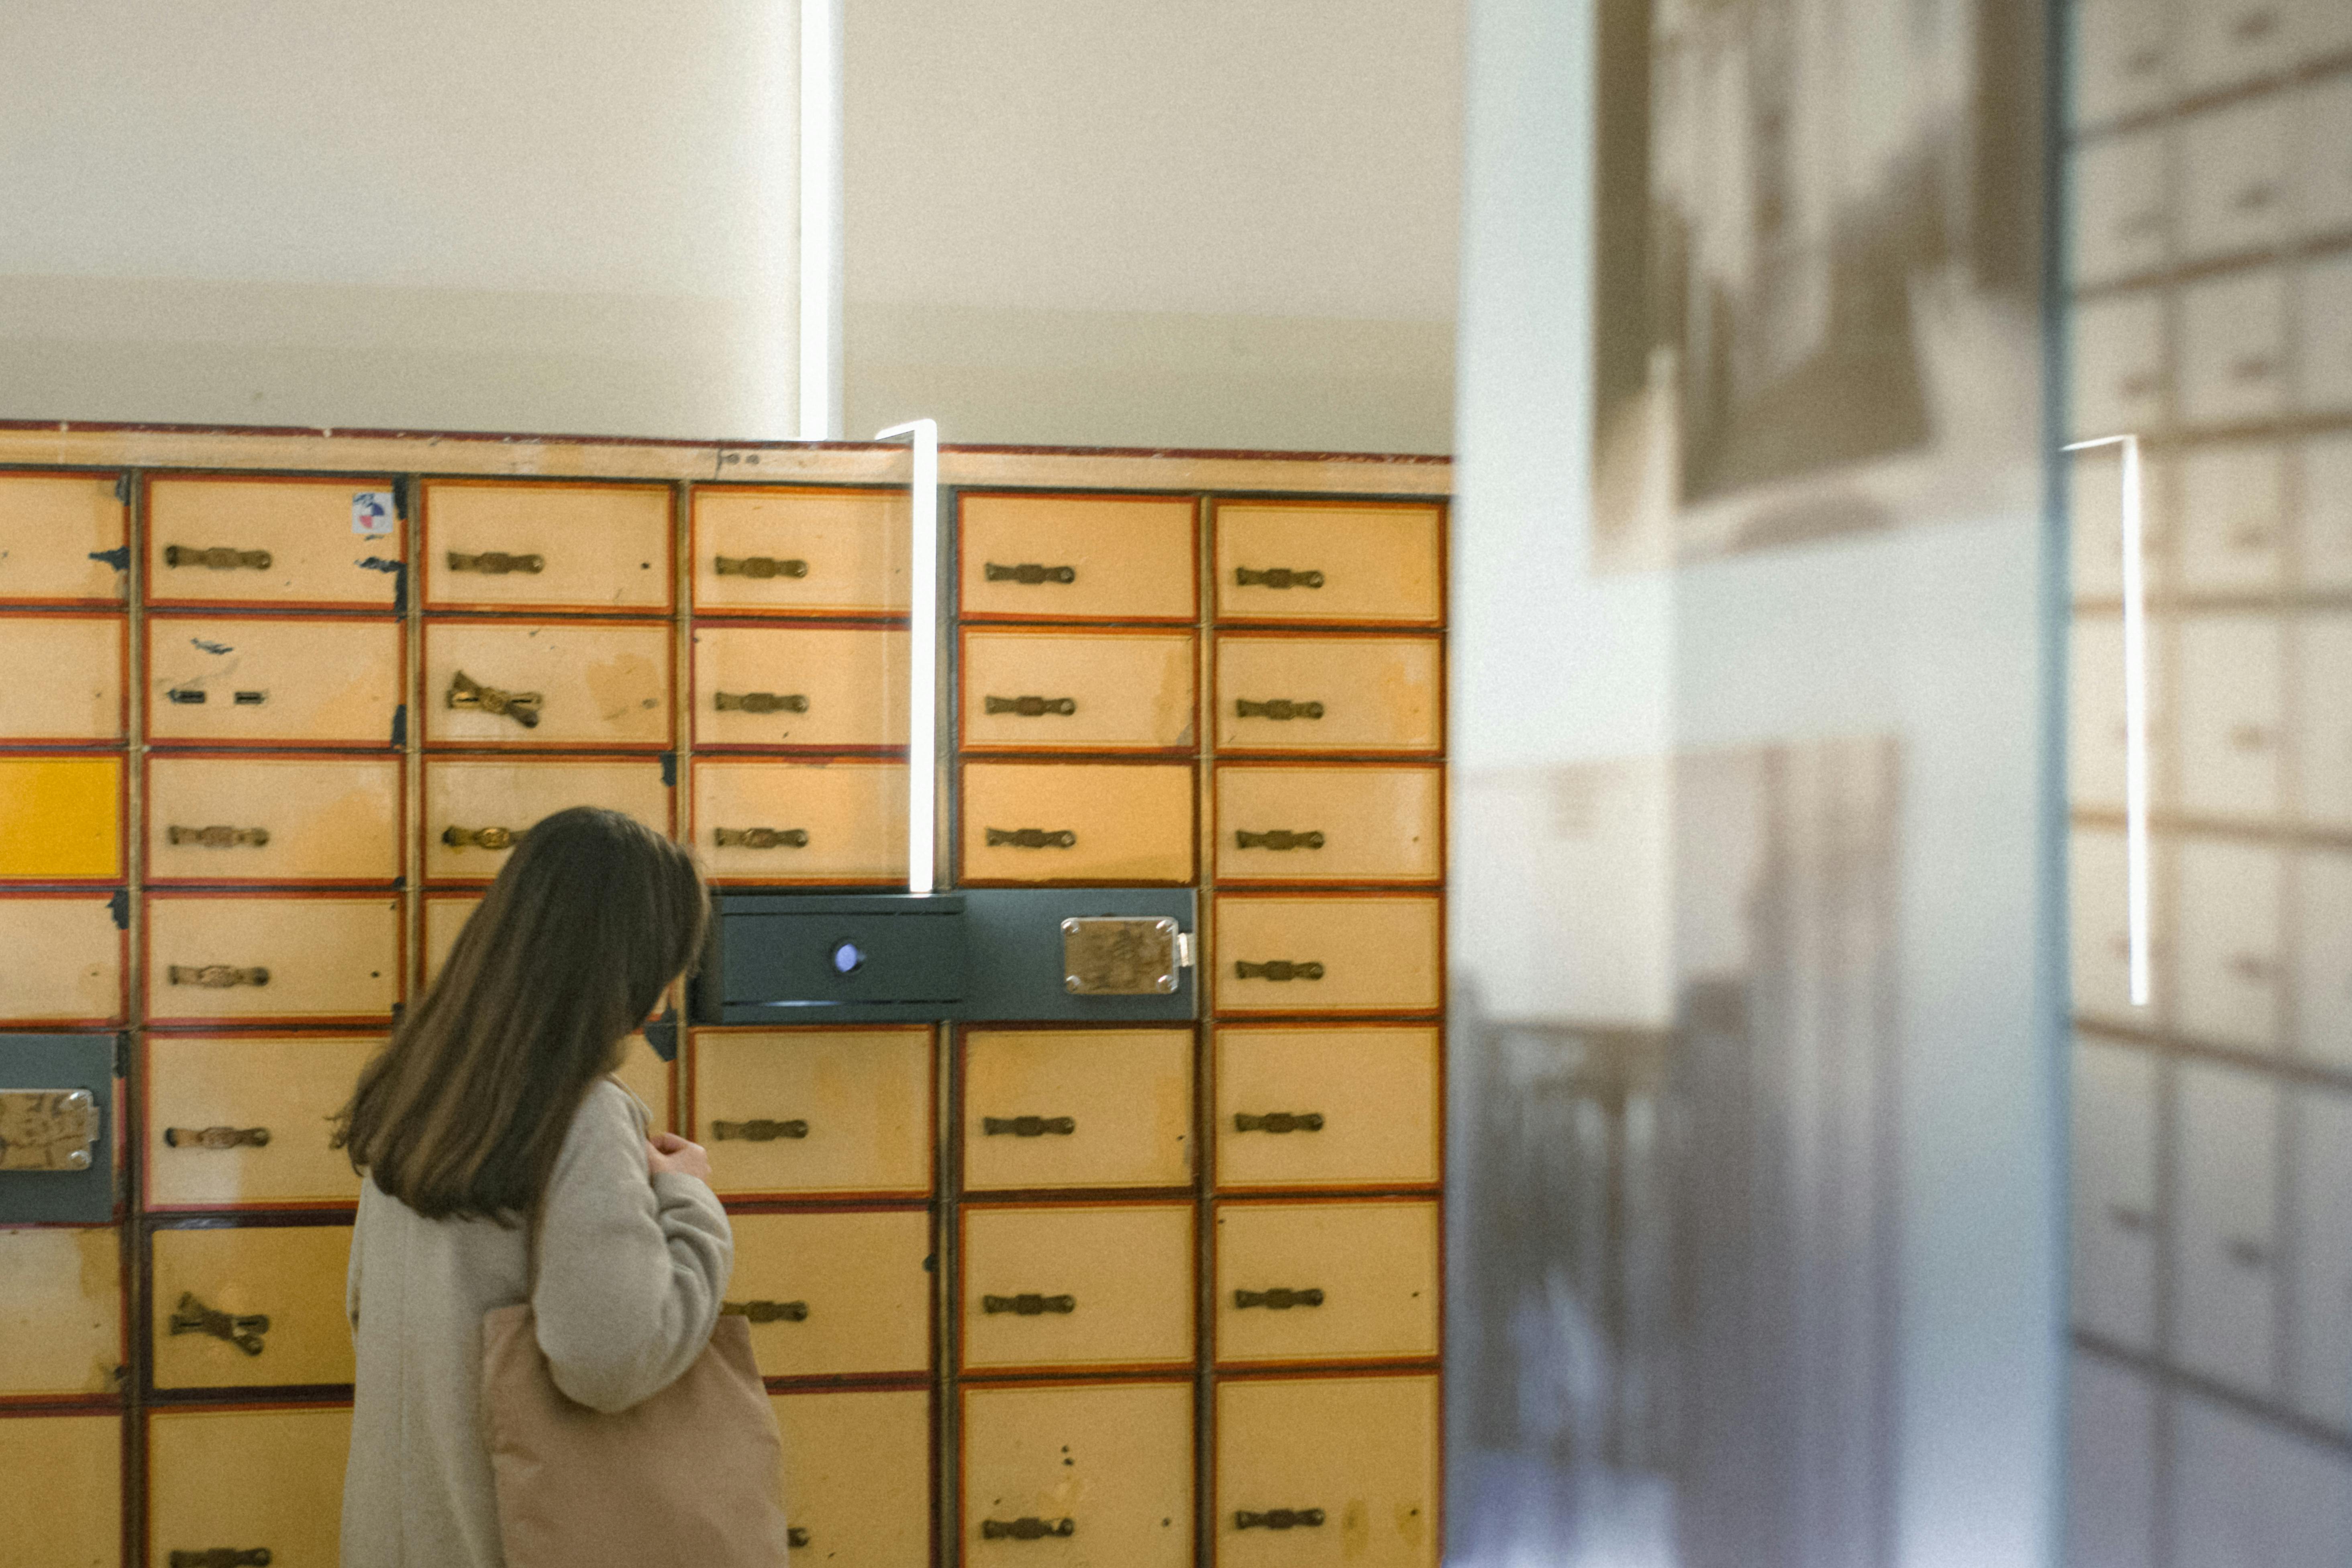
x,y
631,1273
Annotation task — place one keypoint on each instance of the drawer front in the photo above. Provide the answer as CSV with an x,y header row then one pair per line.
x,y
61,538
1327,1281
1043,692
863,1296
546,546
61,1311
67,961
1115,558
800,686
216,541
1123,1273
2234,518
2118,365
2123,63
2321,930
1077,1108
1329,694
273,819
1361,1454
445,915
76,693
2324,135
272,683
247,1480
474,810
2231,954
585,684
1077,822
73,1464
2231,688
293,1276
64,817
2225,42
2114,1175
806,552
1327,1107
247,1121
2324,738
828,823
2122,218
2235,188
1328,956
1330,561
805,1112
1330,824
283,959
857,1475
1112,1464
2233,357
2225,1258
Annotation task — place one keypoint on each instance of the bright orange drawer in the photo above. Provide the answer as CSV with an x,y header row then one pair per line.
x,y
1329,694
498,544
799,686
294,682
247,1121
474,810
66,960
224,540
61,538
800,550
1326,955
835,822
60,1310
1077,822
1059,557
65,678
61,818
287,959
273,819
547,683
1329,824
1070,691
1343,561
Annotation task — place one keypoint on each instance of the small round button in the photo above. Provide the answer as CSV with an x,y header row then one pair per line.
x,y
847,958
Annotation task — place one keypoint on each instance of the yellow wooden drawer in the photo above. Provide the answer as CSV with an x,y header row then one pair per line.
x,y
217,539
587,683
273,819
1338,562
1360,1279
1327,1106
1077,1108
1058,557
61,538
209,1099
542,546
66,680
61,1311
1371,954
857,1475
61,818
835,1293
1330,824
292,1276
1076,691
1095,1286
1077,822
1360,1452
1105,1469
73,1465
247,1480
805,1112
66,960
800,686
290,959
830,823
1329,694
293,682
474,810
800,552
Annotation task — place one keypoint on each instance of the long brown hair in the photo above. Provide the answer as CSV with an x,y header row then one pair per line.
x,y
464,1111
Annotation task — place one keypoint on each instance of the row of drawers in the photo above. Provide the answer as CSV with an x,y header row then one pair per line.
x,y
1067,1287
2135,56
313,681
224,540
2251,346
1359,1455
2244,517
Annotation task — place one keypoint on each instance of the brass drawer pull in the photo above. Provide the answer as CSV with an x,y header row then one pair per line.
x,y
194,1318
220,558
523,707
1279,1121
1279,708
760,837
1028,1304
47,1129
1029,573
1276,577
1277,969
796,1535
1278,1519
1277,1300
1026,1528
214,976
759,702
759,1131
1030,838
767,1311
1277,839
757,566
222,1557
222,837
1031,707
215,1137
1029,1126
196,696
458,837
497,563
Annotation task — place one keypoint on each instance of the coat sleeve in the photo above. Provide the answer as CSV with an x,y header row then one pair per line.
x,y
631,1269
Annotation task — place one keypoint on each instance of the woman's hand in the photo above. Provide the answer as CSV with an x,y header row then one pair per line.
x,y
668,1152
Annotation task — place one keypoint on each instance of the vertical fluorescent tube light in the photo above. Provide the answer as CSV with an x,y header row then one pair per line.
x,y
820,221
2135,893
922,650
